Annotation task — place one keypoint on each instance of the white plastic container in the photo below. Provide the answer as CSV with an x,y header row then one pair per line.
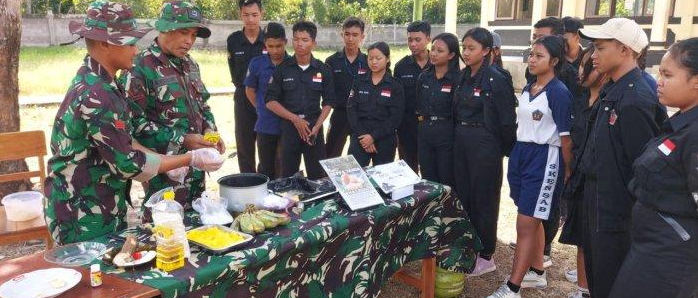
x,y
170,214
24,205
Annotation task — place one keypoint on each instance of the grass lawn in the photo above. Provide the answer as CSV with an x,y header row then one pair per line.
x,y
48,71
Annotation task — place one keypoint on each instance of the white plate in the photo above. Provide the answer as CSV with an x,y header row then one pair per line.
x,y
146,257
43,283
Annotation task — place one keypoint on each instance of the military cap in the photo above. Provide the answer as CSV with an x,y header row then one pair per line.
x,y
181,14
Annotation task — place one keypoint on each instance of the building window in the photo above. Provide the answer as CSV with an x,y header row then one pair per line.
x,y
554,8
505,9
515,9
620,8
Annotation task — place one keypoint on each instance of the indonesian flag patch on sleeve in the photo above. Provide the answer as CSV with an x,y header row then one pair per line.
x,y
362,71
385,92
119,124
446,88
667,147
317,78
264,51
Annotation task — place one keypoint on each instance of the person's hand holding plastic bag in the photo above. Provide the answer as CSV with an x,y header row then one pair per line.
x,y
206,159
212,211
178,174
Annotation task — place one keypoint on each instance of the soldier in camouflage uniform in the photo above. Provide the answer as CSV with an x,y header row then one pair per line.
x,y
93,153
165,82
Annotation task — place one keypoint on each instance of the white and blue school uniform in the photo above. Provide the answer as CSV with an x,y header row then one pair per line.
x,y
535,165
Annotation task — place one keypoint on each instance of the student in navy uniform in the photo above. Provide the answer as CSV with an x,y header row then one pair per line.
x,y
256,83
591,82
568,76
573,48
243,45
663,257
623,120
375,108
347,65
539,162
407,70
485,131
435,89
294,94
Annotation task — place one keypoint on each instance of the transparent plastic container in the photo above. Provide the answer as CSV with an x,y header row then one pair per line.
x,y
169,251
23,205
170,214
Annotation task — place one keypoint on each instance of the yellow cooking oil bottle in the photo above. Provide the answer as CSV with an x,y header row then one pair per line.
x,y
172,245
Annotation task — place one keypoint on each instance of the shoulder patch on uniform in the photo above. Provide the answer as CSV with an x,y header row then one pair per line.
x,y
667,147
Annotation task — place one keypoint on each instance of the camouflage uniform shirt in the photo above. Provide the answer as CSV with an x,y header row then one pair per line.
x,y
92,159
171,100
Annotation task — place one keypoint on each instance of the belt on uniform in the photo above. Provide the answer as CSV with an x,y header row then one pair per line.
x,y
432,118
471,124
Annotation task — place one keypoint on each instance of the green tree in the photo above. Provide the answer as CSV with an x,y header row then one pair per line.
x,y
389,11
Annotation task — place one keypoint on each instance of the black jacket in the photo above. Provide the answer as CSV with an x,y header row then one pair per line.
x,y
626,116
375,109
491,101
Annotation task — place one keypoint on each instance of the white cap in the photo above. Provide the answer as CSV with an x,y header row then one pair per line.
x,y
624,30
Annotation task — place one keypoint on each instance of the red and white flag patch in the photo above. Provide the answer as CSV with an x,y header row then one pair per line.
x,y
667,147
476,92
317,78
613,117
119,124
446,88
264,51
362,71
385,92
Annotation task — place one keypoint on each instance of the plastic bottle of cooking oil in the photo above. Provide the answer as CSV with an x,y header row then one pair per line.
x,y
169,215
170,252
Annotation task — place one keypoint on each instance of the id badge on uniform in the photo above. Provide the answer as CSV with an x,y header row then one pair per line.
x,y
476,92
317,78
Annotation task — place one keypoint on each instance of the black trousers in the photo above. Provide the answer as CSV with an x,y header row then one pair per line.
x,y
551,226
477,162
407,141
660,263
292,148
337,133
385,151
245,136
435,151
269,151
604,251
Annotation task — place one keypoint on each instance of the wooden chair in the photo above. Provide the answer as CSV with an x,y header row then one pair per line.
x,y
15,146
425,283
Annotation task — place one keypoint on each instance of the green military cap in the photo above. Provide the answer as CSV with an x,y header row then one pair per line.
x,y
181,14
110,22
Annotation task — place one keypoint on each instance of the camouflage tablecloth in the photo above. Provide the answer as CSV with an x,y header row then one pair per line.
x,y
328,251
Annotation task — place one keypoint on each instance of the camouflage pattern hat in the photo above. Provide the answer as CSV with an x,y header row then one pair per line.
x,y
110,22
181,14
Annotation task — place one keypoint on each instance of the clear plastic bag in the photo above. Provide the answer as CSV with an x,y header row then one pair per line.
x,y
212,211
157,197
